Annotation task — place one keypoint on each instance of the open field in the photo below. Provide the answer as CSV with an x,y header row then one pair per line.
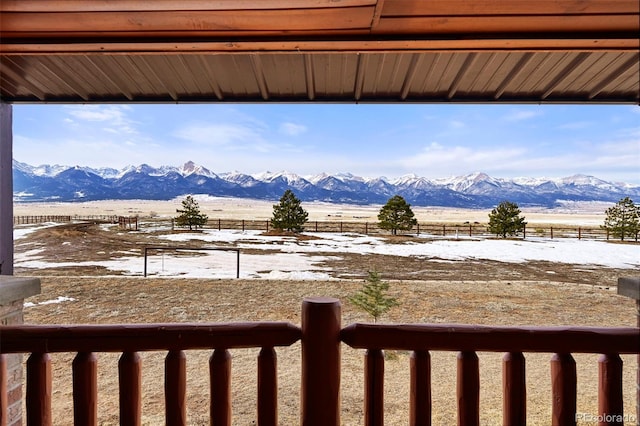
x,y
236,208
92,274
125,300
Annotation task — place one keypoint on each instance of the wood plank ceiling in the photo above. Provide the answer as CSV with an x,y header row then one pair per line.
x,y
543,51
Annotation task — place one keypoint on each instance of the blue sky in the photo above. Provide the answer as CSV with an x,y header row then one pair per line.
x,y
433,141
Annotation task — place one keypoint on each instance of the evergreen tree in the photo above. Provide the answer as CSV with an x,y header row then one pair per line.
x,y
505,219
396,215
289,214
190,214
372,297
623,219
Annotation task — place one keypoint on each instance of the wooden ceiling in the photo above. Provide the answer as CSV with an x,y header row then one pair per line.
x,y
542,51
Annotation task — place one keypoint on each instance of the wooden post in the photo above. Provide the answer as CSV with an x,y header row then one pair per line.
x,y
630,287
514,401
267,387
374,388
6,189
420,389
320,388
220,382
39,389
129,380
175,388
468,389
563,384
85,389
610,403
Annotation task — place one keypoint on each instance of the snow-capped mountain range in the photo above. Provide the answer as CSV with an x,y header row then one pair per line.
x,y
476,190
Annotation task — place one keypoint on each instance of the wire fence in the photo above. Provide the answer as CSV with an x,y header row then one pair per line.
x,y
445,230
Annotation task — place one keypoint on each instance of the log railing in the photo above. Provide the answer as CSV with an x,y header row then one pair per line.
x,y
321,336
129,340
467,340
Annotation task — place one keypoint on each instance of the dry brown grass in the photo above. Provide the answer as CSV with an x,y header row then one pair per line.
x,y
126,300
478,292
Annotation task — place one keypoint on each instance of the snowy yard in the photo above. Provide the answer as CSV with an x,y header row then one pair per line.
x,y
282,257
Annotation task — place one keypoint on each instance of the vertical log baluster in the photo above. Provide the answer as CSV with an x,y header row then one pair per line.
x,y
39,389
320,388
610,403
4,403
175,385
564,387
85,389
130,380
374,388
514,406
267,388
420,389
468,389
220,382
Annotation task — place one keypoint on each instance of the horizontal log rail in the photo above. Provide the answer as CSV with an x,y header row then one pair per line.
x,y
321,337
467,340
130,340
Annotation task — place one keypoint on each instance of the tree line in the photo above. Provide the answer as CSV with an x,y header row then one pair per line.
x,y
622,220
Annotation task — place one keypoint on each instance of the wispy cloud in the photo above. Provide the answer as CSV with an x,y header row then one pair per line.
x,y
520,115
114,119
292,129
441,157
218,134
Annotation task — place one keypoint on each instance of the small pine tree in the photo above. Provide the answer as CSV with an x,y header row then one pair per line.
x,y
289,215
505,219
623,219
190,214
372,297
396,215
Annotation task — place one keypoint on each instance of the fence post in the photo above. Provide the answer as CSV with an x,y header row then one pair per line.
x,y
630,287
320,389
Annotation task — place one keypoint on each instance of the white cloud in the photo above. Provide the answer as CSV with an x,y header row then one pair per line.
x,y
115,118
114,113
446,160
292,129
215,134
521,115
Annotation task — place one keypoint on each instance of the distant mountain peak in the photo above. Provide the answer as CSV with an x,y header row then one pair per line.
x,y
475,190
